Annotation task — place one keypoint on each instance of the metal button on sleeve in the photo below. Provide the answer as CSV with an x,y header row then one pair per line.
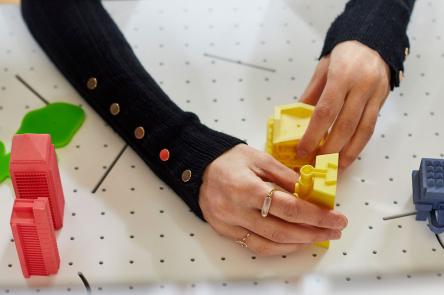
x,y
186,175
114,109
139,132
91,84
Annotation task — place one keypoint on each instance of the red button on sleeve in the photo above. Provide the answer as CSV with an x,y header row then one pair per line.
x,y
164,155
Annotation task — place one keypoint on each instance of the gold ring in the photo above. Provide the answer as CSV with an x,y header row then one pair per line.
x,y
267,203
243,241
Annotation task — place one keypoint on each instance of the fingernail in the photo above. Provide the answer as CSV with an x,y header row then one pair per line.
x,y
341,222
335,235
344,222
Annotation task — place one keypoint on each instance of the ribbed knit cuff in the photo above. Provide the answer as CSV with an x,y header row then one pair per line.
x,y
194,149
379,24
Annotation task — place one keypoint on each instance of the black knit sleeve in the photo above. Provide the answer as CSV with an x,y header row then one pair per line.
x,y
87,47
379,24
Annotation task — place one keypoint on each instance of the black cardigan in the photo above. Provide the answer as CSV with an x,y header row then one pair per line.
x,y
85,44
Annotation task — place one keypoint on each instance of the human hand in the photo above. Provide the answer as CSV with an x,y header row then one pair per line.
x,y
348,87
231,197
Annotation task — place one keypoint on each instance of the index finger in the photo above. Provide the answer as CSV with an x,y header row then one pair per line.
x,y
325,113
295,210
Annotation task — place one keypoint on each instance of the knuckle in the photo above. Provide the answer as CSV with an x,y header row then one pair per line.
x,y
318,237
278,236
319,219
323,112
369,72
267,159
368,128
346,125
291,210
261,157
236,187
337,72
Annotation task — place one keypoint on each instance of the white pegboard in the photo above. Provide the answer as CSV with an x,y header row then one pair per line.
x,y
136,231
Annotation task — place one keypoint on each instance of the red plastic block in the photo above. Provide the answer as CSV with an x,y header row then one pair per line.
x,y
35,173
34,237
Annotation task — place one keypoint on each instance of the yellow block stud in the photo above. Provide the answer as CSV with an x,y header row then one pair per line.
x,y
318,184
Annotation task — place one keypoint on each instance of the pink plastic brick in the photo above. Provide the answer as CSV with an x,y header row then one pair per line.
x,y
34,237
35,173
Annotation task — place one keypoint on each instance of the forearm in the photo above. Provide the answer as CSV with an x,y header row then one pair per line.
x,y
83,42
379,24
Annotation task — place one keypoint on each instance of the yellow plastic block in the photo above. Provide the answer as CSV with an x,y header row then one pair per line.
x,y
318,184
285,130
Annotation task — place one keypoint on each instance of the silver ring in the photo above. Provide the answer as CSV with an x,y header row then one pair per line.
x,y
267,203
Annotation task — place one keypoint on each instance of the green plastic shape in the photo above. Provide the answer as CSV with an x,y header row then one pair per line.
x,y
4,163
60,120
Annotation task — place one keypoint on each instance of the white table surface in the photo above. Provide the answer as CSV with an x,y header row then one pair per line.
x,y
172,39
